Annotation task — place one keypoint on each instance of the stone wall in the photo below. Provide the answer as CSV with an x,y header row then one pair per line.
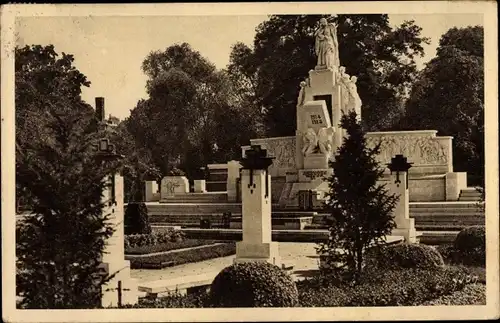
x,y
428,153
282,148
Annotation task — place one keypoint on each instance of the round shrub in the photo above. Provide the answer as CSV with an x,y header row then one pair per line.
x,y
136,219
470,244
253,284
404,256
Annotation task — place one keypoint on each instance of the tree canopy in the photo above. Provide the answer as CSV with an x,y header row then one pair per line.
x,y
194,114
449,97
60,243
380,56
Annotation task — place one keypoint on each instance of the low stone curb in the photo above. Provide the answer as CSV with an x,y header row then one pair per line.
x,y
128,257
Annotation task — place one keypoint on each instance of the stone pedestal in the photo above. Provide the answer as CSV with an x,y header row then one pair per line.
x,y
233,173
454,183
405,226
113,258
316,161
257,244
151,192
173,185
200,186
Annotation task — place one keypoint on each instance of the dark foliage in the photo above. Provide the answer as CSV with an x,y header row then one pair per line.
x,y
404,256
362,213
137,219
253,284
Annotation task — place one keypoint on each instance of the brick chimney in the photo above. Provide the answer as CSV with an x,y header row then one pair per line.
x,y
99,109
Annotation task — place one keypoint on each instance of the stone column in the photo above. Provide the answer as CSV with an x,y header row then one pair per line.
x,y
257,244
233,173
199,186
405,226
113,258
151,190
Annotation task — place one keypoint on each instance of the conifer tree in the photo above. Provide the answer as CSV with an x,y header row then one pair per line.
x,y
360,208
61,242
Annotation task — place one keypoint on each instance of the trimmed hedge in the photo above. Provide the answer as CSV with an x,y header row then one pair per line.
x,y
470,246
136,219
157,237
404,256
253,284
183,257
168,246
405,287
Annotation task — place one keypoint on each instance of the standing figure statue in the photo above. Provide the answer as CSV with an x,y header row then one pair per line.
x,y
354,102
310,142
327,46
300,99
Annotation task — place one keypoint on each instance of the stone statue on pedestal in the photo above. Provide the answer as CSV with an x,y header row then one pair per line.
x,y
300,99
325,140
327,46
354,102
310,142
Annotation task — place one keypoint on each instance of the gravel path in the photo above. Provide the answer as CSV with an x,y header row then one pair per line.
x,y
301,255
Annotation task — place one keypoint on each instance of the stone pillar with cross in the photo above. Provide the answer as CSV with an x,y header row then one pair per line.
x,y
257,244
121,289
398,185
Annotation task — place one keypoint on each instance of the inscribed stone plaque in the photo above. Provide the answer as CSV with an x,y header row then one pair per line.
x,y
316,115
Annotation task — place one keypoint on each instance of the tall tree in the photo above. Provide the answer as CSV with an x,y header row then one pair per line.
x,y
42,79
362,213
60,243
138,165
191,104
380,56
449,97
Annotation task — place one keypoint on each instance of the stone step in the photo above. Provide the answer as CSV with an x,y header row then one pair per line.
x,y
214,186
440,227
470,198
197,198
457,212
443,205
196,208
438,237
470,193
217,177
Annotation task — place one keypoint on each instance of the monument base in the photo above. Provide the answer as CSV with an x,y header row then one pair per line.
x,y
316,161
129,286
406,230
264,252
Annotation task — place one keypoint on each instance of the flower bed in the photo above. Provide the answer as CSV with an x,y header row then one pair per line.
x,y
159,237
183,257
473,294
405,287
167,246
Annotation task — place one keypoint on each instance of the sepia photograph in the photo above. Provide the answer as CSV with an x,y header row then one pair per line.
x,y
250,161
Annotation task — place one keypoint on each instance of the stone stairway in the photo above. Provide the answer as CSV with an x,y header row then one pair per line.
x,y
208,197
438,221
216,180
469,194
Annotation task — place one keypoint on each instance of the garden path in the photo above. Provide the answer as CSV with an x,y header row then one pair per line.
x,y
301,255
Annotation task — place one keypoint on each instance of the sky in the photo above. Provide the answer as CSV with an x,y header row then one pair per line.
x,y
110,50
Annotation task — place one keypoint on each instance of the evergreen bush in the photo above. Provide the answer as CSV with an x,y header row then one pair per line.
x,y
470,244
404,256
253,284
137,219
